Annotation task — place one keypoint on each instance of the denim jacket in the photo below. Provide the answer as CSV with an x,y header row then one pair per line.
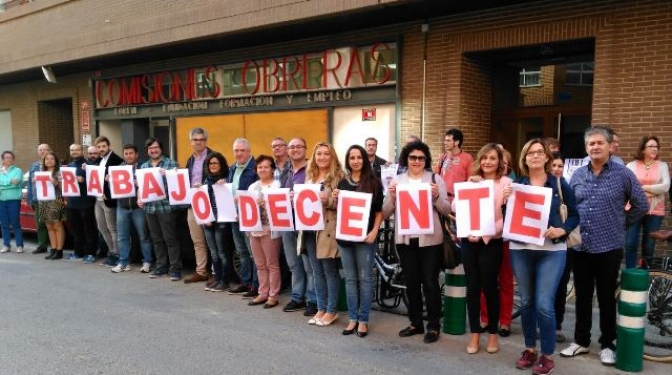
x,y
568,195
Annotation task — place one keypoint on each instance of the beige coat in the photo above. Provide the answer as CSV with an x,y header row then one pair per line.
x,y
326,238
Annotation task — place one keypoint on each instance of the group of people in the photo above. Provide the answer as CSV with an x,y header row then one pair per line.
x,y
603,196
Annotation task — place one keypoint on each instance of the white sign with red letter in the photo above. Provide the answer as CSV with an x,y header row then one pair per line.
x,y
249,215
226,207
179,191
352,221
527,212
69,183
414,209
150,185
44,187
95,178
308,207
122,184
475,208
279,210
200,202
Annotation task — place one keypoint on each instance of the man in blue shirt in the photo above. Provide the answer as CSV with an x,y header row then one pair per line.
x,y
602,189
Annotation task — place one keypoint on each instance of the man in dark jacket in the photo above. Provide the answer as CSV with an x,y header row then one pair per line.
x,y
242,174
371,145
106,207
80,212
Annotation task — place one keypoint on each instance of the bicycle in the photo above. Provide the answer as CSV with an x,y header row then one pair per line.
x,y
658,321
390,289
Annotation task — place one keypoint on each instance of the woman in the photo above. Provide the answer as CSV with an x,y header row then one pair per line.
x,y
557,170
357,257
265,244
216,234
505,275
538,269
324,169
421,255
10,202
654,176
483,254
52,213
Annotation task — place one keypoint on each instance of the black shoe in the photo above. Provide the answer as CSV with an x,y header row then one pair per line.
x,y
504,332
240,289
347,332
51,254
362,334
40,250
57,255
294,306
251,293
410,331
311,309
431,336
158,273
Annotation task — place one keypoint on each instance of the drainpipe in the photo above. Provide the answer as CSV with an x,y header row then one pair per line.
x,y
425,30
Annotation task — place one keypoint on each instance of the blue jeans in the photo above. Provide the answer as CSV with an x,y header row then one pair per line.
x,y
303,282
216,239
248,271
647,224
135,217
327,278
357,259
538,273
9,215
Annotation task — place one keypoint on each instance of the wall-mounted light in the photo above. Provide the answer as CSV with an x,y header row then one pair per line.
x,y
49,74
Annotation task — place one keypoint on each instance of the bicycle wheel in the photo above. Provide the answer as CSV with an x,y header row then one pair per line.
x,y
658,321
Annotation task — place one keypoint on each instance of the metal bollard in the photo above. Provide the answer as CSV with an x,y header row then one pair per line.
x,y
455,302
631,312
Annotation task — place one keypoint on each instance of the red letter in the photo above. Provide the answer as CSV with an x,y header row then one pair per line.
x,y
180,194
277,205
326,68
354,62
151,186
122,182
200,202
69,182
474,197
347,216
421,214
93,184
43,180
300,214
520,211
248,210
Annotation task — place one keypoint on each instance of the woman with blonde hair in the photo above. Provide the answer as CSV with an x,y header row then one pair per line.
x,y
324,169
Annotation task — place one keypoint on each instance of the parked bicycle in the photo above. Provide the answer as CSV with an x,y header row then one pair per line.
x,y
390,289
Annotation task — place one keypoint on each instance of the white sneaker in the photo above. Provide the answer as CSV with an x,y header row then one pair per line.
x,y
19,249
574,349
607,357
120,268
145,268
4,249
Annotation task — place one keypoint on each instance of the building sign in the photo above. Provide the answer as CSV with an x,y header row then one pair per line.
x,y
84,116
328,76
369,114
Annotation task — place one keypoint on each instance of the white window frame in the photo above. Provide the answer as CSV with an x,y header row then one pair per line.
x,y
529,72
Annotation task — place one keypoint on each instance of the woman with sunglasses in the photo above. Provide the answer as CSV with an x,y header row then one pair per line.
x,y
421,255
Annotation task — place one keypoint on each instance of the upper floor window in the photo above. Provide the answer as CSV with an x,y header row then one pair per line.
x,y
530,76
580,73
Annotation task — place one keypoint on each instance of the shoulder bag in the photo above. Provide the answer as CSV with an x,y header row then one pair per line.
x,y
574,237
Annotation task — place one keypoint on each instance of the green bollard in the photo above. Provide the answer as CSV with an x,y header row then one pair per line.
x,y
631,312
455,302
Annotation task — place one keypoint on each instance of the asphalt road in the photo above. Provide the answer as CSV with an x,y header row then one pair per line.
x,y
59,317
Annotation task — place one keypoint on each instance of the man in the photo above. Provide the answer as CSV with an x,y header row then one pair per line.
x,y
161,219
454,164
199,144
602,189
613,148
92,155
371,146
303,285
283,164
42,236
106,207
553,144
93,158
128,212
241,175
80,212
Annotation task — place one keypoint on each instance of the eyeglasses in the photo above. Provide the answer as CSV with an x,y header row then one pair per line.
x,y
416,158
653,147
536,153
153,147
199,139
278,146
296,147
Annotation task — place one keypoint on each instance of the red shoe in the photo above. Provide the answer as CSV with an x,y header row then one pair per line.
x,y
526,360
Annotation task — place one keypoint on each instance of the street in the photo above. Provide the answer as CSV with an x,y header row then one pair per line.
x,y
60,317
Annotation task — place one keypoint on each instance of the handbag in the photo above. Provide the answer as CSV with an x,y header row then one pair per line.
x,y
451,252
574,237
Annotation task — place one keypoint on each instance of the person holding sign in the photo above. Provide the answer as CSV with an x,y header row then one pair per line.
x,y
324,169
52,212
539,268
265,244
421,255
357,257
10,201
106,207
42,236
482,254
